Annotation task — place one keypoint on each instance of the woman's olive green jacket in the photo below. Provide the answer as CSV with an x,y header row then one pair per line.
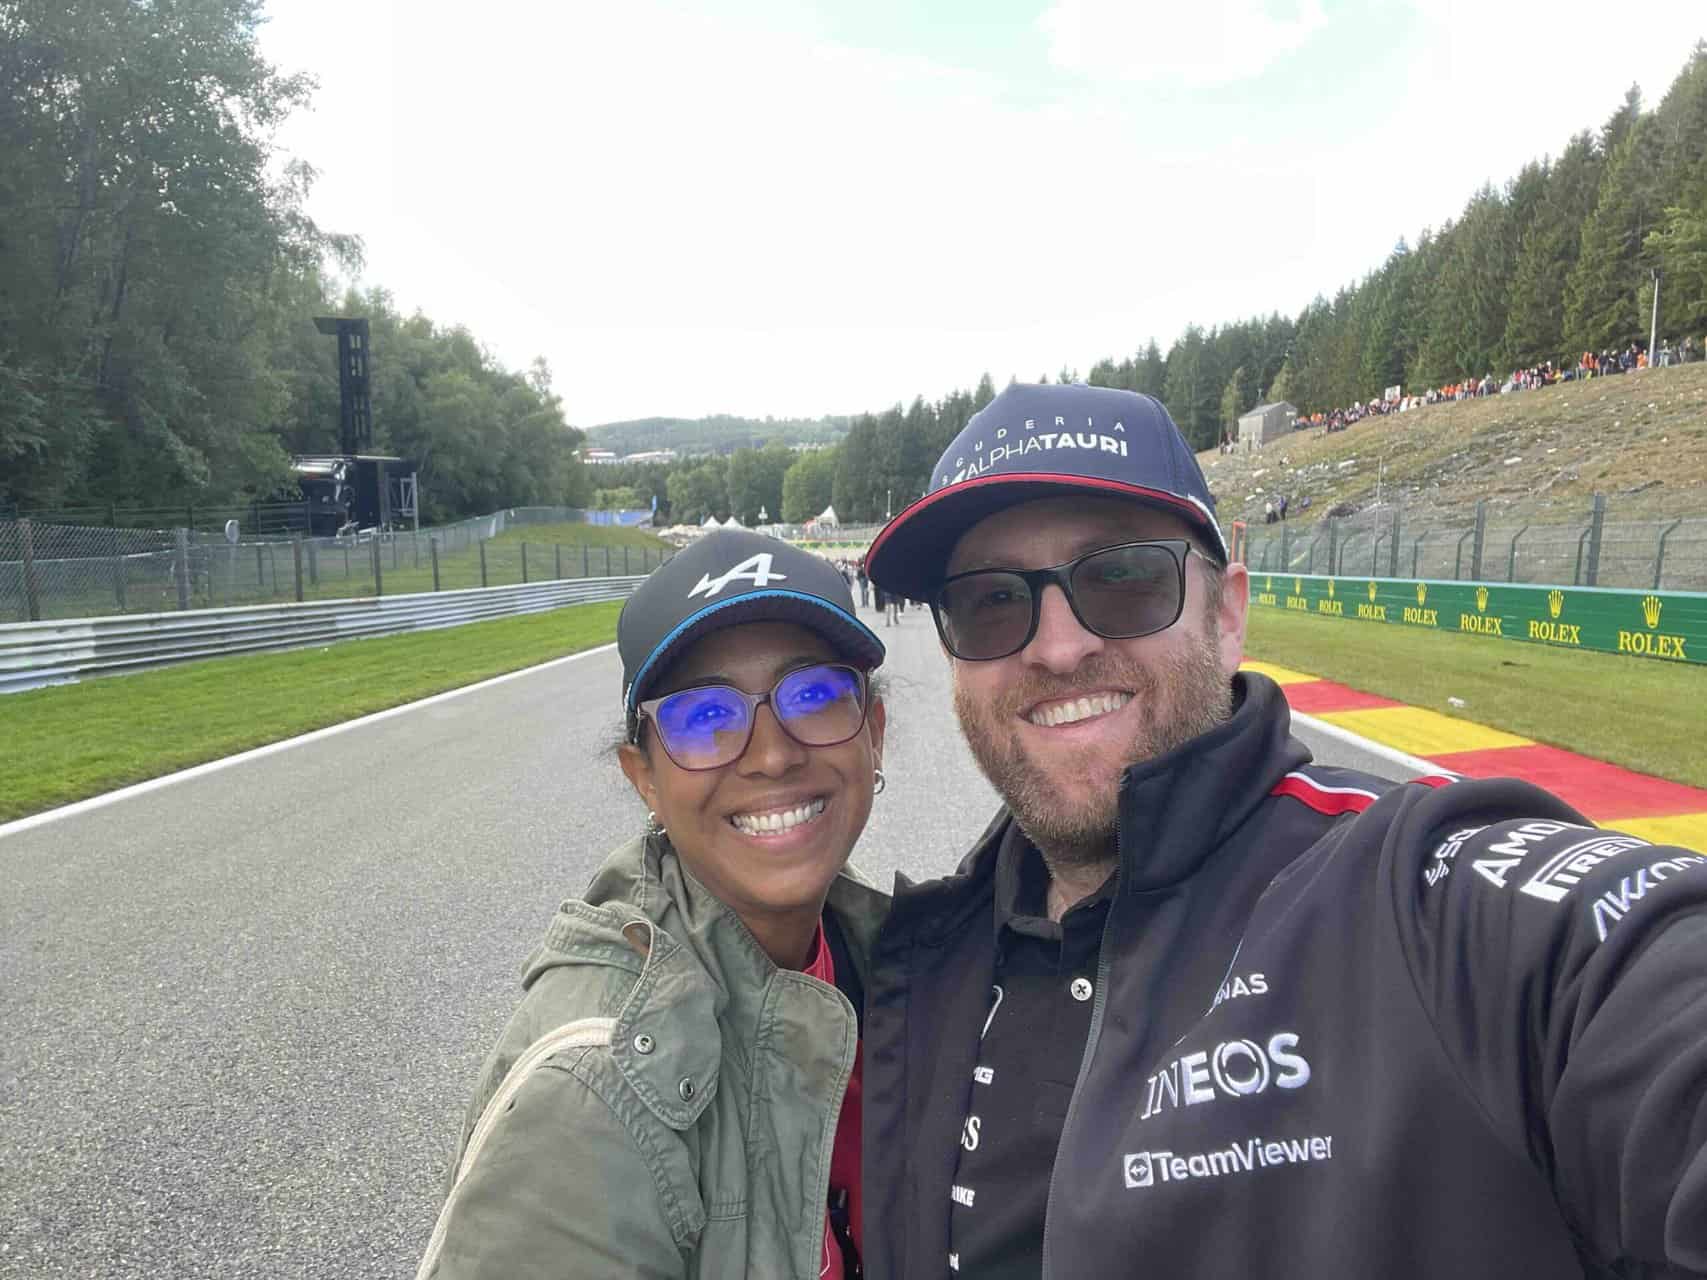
x,y
664,1101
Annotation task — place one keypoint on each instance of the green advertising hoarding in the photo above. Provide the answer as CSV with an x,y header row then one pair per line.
x,y
1670,625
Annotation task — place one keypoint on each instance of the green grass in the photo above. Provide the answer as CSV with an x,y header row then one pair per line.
x,y
73,741
1639,713
580,535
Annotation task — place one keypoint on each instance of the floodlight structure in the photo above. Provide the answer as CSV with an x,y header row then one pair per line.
x,y
355,412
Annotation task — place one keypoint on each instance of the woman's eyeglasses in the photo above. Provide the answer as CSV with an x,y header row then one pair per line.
x,y
710,725
1122,592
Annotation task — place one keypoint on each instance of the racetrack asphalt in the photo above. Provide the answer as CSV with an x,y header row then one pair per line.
x,y
242,1013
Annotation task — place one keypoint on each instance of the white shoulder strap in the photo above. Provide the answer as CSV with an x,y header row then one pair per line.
x,y
582,1033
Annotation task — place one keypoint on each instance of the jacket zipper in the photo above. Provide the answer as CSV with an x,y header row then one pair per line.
x,y
1085,1059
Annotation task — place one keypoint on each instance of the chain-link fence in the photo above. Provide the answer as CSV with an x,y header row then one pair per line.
x,y
78,571
1384,542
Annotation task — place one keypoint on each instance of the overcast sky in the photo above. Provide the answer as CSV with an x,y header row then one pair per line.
x,y
763,207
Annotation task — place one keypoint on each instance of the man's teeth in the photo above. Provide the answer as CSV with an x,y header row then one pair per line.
x,y
1096,704
777,820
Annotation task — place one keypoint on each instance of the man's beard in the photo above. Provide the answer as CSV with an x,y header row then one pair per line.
x,y
1182,696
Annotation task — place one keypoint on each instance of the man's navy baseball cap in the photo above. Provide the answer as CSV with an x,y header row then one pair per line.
x,y
1039,442
725,579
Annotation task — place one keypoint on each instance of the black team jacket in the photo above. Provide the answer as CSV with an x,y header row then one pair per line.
x,y
1477,1048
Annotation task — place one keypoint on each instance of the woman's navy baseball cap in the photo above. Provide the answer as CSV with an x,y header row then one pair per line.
x,y
725,579
1039,442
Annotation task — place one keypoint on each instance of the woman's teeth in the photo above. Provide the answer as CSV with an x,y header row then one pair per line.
x,y
755,824
1096,704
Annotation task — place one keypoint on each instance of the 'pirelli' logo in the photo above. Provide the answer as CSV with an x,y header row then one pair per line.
x,y
1564,871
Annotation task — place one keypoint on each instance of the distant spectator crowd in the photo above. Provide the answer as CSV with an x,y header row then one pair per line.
x,y
1591,364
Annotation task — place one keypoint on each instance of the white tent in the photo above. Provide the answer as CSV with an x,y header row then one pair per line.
x,y
710,522
827,517
733,522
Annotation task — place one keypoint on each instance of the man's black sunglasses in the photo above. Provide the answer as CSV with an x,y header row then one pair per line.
x,y
1121,592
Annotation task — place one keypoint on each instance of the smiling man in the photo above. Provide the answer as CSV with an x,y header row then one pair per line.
x,y
1195,1005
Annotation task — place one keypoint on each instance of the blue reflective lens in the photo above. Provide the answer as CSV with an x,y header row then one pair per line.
x,y
705,725
820,705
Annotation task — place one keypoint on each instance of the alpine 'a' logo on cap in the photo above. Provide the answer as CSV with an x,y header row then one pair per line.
x,y
754,569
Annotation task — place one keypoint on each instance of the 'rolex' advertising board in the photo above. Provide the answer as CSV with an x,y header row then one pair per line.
x,y
1670,626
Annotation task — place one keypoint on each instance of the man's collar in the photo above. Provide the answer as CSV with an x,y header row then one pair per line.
x,y
1022,888
1177,809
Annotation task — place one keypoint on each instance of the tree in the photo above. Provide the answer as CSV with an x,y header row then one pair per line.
x,y
1535,318
1601,292
142,231
755,481
1679,247
1232,405
699,491
808,485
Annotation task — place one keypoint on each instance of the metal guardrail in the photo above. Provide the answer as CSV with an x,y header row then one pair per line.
x,y
34,654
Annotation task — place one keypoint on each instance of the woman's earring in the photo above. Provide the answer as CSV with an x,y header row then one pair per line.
x,y
878,782
652,827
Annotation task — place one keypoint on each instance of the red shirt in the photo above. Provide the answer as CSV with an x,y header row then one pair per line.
x,y
844,1155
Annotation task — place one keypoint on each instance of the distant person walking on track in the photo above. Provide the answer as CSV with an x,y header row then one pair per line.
x,y
679,1092
864,586
1195,1005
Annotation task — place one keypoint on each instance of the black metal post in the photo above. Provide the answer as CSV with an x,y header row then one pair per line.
x,y
1511,559
313,564
586,567
1660,554
181,568
32,588
524,564
607,560
625,560
260,570
1597,525
118,570
558,548
483,563
1481,532
255,515
1393,551
378,581
433,548
1458,556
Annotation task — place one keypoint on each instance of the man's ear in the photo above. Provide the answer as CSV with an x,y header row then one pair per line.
x,y
637,768
1234,612
877,720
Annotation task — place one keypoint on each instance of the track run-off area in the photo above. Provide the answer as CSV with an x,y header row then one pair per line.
x,y
244,1008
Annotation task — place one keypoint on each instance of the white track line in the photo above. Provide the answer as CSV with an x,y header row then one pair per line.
x,y
1344,735
214,766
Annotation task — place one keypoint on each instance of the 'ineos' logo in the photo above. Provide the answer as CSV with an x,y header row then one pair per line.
x,y
1232,1069
754,569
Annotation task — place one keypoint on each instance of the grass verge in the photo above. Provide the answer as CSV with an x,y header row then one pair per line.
x,y
74,741
1639,713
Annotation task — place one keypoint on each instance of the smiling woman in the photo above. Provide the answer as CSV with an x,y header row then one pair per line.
x,y
708,984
